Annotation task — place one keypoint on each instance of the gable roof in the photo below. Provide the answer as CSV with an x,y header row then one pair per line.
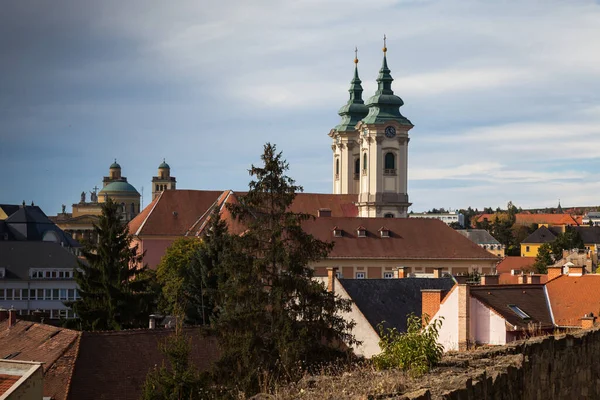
x,y
541,235
478,236
528,219
589,234
514,262
391,300
529,298
409,238
30,223
573,296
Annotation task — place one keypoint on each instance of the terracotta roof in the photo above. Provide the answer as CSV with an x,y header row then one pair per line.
x,y
512,262
29,341
7,381
341,205
531,299
114,365
572,297
506,278
173,213
528,219
409,238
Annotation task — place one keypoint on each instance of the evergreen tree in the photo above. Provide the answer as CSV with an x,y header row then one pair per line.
x,y
275,319
205,273
114,286
181,380
543,259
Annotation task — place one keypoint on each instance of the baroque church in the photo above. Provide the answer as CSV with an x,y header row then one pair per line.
x,y
370,149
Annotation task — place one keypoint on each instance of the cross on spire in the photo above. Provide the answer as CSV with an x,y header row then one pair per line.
x,y
384,43
355,55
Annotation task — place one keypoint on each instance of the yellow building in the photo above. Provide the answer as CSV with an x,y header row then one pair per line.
x,y
531,245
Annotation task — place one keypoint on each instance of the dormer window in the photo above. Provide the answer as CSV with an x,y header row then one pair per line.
x,y
361,231
337,232
384,232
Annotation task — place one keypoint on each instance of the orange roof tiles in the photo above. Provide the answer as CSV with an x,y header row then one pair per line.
x,y
511,262
409,238
6,382
572,297
528,219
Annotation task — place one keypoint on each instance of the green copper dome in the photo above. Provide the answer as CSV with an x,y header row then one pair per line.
x,y
355,108
385,106
115,165
122,187
164,165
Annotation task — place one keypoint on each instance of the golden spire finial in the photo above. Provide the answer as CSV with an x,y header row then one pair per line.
x,y
355,55
384,43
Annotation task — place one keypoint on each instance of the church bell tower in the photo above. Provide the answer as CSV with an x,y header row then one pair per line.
x,y
370,149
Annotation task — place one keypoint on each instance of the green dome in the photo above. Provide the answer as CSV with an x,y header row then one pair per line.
x,y
122,187
115,165
164,165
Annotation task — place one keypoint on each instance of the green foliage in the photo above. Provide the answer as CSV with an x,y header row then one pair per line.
x,y
171,274
114,286
275,321
568,240
181,380
206,274
417,350
543,259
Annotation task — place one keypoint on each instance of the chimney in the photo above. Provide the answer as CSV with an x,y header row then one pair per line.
x,y
554,272
12,317
3,314
152,322
588,321
400,273
437,272
461,279
331,275
489,279
522,279
324,212
535,279
430,303
464,316
576,270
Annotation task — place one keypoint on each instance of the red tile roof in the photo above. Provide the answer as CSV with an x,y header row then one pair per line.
x,y
512,262
43,343
7,381
506,278
572,297
409,238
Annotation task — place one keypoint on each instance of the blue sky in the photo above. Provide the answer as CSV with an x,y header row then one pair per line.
x,y
504,95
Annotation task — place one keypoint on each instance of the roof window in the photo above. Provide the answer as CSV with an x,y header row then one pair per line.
x,y
522,314
361,231
384,232
337,232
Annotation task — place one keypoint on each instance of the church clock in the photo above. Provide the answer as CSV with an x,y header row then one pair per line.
x,y
390,131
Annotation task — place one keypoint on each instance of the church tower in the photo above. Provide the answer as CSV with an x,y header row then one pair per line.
x,y
164,180
378,151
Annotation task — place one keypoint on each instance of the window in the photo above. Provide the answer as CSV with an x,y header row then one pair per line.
x,y
63,294
356,167
40,294
339,275
337,168
1,294
361,232
388,215
337,232
48,294
32,294
388,275
390,163
157,188
385,233
364,163
71,294
9,294
522,314
24,294
360,275
527,249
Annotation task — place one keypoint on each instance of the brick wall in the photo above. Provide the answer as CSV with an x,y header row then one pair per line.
x,y
431,302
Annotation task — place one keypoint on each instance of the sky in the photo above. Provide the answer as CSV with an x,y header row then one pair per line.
x,y
504,95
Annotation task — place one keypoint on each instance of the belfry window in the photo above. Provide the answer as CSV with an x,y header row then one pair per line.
x,y
390,163
365,163
357,165
337,168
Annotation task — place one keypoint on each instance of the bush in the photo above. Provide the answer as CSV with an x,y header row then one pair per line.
x,y
415,351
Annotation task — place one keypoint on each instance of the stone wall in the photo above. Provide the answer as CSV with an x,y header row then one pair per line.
x,y
548,368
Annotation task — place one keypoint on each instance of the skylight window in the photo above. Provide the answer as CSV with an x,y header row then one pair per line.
x,y
522,314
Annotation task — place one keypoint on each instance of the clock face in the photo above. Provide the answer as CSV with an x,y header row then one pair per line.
x,y
390,131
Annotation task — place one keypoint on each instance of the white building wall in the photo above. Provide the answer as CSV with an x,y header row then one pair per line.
x,y
487,327
448,334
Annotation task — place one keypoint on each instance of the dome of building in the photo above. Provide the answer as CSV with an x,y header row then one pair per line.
x,y
119,187
164,165
115,165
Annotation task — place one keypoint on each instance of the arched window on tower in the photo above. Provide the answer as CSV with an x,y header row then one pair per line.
x,y
337,168
364,163
157,188
390,163
132,209
356,168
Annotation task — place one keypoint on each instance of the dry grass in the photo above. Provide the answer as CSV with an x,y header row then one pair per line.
x,y
357,381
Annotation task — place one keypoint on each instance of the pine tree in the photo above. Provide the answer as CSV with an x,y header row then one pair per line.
x,y
205,273
114,286
275,318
